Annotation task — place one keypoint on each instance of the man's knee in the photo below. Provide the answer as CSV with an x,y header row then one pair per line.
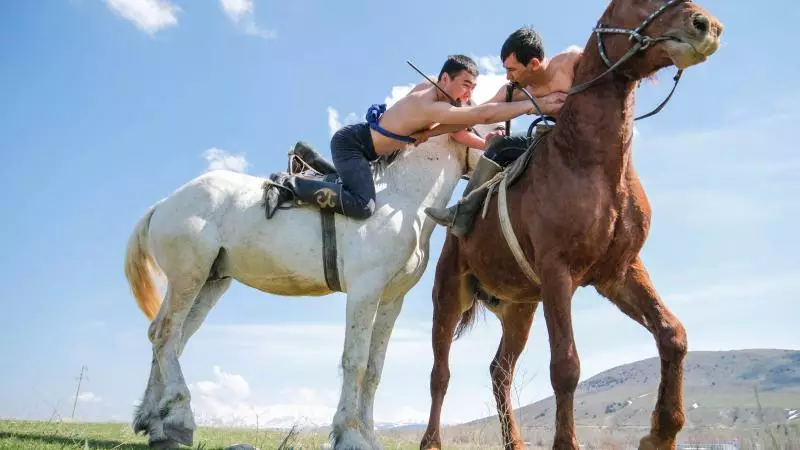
x,y
514,144
360,209
496,146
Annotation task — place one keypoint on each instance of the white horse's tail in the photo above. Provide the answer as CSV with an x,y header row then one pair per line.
x,y
138,262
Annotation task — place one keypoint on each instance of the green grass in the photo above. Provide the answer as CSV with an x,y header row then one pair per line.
x,y
29,435
23,434
52,435
18,434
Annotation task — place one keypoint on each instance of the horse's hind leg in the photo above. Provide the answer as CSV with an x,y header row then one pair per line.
x,y
148,418
174,405
206,299
388,311
638,299
517,319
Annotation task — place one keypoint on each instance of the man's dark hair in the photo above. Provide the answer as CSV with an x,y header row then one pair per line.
x,y
455,64
525,43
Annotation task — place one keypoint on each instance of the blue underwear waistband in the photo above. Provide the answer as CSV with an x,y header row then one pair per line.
x,y
374,114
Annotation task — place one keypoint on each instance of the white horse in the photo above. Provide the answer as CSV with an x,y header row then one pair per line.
x,y
213,230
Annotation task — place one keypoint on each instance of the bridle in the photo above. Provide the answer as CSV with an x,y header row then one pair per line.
x,y
642,43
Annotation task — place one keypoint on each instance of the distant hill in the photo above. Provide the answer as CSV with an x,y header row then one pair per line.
x,y
718,392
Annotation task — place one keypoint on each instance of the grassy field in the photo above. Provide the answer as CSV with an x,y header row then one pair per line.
x,y
29,435
62,435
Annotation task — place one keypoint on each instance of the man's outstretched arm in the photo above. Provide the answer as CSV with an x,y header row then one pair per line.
x,y
486,113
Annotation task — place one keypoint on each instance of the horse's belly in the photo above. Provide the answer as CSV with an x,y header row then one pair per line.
x,y
278,256
261,269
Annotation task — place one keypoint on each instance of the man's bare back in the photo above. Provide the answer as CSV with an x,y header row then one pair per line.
x,y
551,84
404,118
559,74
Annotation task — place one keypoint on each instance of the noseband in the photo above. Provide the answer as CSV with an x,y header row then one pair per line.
x,y
642,43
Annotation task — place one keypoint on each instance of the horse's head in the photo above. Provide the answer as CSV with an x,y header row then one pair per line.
x,y
670,32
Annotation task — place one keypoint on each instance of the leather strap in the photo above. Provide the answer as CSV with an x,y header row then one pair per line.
x,y
329,255
508,233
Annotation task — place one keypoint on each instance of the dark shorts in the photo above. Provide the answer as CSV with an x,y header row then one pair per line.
x,y
506,149
352,152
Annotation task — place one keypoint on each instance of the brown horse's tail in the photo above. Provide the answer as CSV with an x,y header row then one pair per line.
x,y
468,296
138,265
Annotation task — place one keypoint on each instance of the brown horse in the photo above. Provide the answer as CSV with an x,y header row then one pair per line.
x,y
581,216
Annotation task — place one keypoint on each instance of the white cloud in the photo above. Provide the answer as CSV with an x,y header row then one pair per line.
x,y
149,16
333,120
236,9
227,385
334,123
491,64
398,92
88,397
219,159
241,13
227,401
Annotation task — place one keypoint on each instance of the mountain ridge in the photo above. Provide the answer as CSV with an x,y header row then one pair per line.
x,y
719,390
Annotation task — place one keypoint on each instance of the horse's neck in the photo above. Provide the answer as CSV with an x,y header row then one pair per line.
x,y
423,176
595,126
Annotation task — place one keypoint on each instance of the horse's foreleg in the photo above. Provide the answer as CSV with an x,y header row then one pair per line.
x,y
557,291
448,292
381,333
637,298
362,304
517,319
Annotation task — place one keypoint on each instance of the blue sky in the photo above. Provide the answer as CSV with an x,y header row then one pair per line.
x,y
110,105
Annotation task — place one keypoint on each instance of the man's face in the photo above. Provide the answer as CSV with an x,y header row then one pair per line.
x,y
460,87
518,72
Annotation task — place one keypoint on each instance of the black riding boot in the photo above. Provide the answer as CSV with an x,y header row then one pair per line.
x,y
322,194
311,157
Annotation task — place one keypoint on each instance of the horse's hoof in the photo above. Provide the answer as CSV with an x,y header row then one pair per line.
x,y
165,443
141,424
651,442
351,439
182,435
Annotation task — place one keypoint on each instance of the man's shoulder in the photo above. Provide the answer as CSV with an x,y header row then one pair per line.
x,y
568,55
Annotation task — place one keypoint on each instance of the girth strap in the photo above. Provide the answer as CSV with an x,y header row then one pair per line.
x,y
329,256
508,233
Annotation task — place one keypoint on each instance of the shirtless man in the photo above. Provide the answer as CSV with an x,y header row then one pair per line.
x,y
547,80
353,147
